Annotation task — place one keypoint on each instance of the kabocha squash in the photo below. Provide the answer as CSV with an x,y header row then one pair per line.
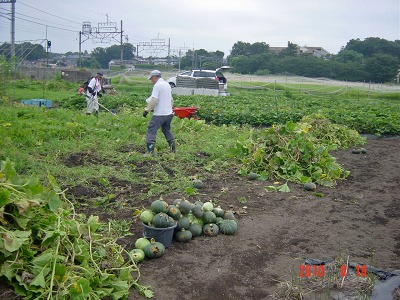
x,y
198,203
197,211
218,220
196,229
252,176
229,215
141,243
228,226
146,216
158,206
309,186
160,220
198,221
208,206
174,212
176,201
137,255
218,211
171,221
183,222
210,229
198,184
209,217
185,207
183,235
154,249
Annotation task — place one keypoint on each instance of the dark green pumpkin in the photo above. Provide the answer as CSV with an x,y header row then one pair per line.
x,y
176,201
218,220
229,215
160,220
158,206
198,184
309,186
171,221
210,229
199,203
252,176
228,227
183,235
183,222
196,229
174,212
209,217
218,211
154,249
185,207
197,211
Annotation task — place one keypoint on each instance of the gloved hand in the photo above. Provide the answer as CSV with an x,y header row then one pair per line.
x,y
145,113
93,93
99,95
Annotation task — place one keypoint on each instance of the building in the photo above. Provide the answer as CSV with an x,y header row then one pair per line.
x,y
315,51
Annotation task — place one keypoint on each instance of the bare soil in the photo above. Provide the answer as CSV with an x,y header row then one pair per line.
x,y
359,219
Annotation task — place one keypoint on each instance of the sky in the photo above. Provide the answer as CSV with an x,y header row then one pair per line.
x,y
206,24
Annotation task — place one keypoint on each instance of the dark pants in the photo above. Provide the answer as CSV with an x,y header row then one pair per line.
x,y
155,123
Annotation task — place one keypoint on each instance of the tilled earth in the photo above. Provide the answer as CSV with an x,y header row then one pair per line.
x,y
357,220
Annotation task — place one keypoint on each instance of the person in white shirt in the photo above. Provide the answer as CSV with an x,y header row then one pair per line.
x,y
161,102
92,95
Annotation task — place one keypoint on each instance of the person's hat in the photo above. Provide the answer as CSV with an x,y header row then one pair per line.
x,y
100,74
154,73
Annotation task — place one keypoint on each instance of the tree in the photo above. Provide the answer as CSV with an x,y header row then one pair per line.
x,y
382,67
258,48
291,50
349,56
240,48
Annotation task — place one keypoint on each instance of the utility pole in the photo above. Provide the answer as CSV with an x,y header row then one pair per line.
x,y
122,49
12,24
47,50
80,49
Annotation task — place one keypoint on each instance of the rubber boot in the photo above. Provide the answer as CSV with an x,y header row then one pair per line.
x,y
172,146
96,113
88,113
150,149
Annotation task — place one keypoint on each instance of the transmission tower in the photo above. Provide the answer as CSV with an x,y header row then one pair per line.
x,y
103,33
155,46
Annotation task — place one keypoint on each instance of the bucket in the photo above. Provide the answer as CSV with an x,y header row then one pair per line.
x,y
161,235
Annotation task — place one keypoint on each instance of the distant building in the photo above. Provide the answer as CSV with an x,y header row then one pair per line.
x,y
315,51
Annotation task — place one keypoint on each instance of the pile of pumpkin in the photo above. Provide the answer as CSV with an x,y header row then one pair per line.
x,y
191,220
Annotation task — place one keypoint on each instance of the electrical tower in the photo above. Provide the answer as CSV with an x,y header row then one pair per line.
x,y
103,33
155,46
12,24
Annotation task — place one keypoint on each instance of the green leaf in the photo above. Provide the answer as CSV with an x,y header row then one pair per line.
x,y
13,240
53,183
39,280
4,197
93,223
54,201
284,188
42,260
271,188
80,289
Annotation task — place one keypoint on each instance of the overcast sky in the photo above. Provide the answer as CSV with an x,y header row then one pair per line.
x,y
208,24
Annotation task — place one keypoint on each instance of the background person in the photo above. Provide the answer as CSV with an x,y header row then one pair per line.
x,y
161,102
92,95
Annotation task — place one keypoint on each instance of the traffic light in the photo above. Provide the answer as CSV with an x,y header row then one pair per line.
x,y
48,44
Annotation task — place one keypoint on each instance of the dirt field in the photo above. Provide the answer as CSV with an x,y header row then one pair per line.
x,y
359,218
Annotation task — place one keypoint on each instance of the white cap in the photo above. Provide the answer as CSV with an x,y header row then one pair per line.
x,y
154,73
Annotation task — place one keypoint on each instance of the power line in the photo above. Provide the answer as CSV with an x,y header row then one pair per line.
x,y
47,25
48,13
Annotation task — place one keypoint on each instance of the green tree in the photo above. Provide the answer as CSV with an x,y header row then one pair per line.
x,y
350,56
382,67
